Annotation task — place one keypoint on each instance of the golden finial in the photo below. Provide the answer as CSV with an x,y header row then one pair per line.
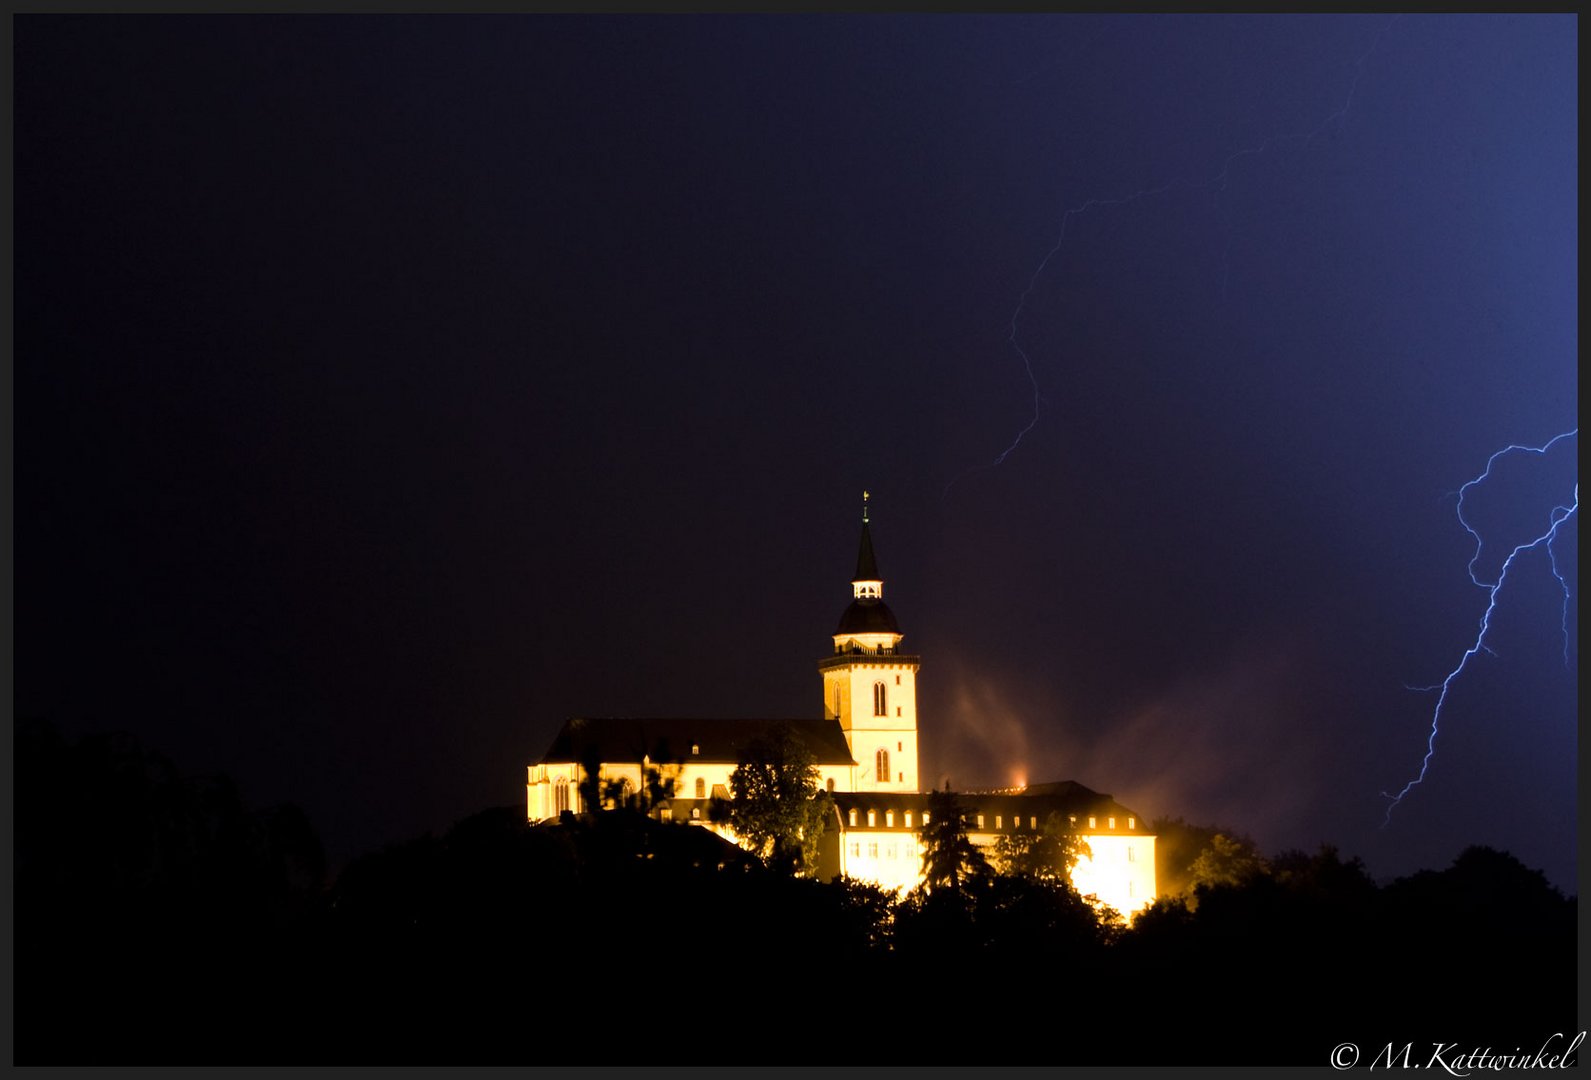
x,y
865,496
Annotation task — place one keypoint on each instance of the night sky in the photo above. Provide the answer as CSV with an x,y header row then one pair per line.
x,y
389,389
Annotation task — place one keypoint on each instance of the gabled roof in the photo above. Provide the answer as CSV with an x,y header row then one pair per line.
x,y
626,739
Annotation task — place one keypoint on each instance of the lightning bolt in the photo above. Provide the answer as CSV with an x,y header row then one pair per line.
x,y
1555,519
1217,181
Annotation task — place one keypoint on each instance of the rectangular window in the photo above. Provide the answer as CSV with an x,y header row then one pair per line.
x,y
897,680
872,849
980,821
889,819
925,817
1131,855
908,819
1132,823
872,818
1033,822
1112,822
999,822
856,848
889,851
1093,823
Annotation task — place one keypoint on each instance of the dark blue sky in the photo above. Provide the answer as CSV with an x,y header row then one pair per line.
x,y
390,388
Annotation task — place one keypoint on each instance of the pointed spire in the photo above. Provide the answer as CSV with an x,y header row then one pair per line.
x,y
866,563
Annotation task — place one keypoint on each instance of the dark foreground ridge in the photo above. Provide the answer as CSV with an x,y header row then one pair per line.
x,y
160,921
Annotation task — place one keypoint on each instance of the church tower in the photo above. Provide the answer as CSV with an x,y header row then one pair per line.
x,y
869,685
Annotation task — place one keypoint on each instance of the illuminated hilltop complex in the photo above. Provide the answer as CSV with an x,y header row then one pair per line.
x,y
866,754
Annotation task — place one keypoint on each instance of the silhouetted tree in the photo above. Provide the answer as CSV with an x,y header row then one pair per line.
x,y
1227,860
1050,854
867,909
951,861
778,809
1032,919
590,787
1324,875
1177,844
659,783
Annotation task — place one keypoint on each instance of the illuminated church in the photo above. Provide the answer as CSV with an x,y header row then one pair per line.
x,y
865,748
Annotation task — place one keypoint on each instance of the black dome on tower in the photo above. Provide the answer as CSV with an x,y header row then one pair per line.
x,y
868,617
867,614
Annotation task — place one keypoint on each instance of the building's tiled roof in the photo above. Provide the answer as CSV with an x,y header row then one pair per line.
x,y
1066,797
625,739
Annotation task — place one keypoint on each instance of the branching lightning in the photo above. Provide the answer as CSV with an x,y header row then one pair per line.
x,y
1555,519
1217,181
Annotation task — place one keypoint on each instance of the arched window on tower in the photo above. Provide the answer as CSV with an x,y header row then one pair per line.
x,y
880,705
882,771
701,788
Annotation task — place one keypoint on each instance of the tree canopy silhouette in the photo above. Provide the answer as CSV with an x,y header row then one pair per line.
x,y
778,809
951,861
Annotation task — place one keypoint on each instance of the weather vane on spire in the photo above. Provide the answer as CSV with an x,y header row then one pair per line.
x,y
865,496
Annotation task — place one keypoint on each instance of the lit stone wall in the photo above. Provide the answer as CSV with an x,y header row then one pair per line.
x,y
895,731
890,859
1120,870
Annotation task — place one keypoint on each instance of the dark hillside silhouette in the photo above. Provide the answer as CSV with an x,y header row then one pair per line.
x,y
155,914
159,920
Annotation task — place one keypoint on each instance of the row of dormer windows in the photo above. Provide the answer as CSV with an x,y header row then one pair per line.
x,y
1016,821
1110,822
853,819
